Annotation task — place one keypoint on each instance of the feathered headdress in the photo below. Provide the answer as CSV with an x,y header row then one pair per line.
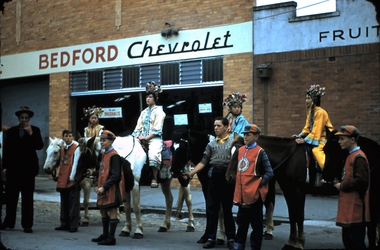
x,y
154,87
92,110
234,97
315,90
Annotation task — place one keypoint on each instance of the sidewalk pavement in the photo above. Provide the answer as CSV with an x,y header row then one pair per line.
x,y
317,208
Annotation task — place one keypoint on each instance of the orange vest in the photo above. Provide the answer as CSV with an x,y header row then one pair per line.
x,y
116,193
247,189
350,206
66,165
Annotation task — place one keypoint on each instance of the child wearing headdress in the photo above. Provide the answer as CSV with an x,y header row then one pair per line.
x,y
237,122
317,124
93,128
149,129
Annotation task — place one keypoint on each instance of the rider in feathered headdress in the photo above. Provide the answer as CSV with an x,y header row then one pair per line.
x,y
93,114
317,121
149,128
234,101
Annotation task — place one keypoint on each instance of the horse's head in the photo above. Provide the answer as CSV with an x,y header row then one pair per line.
x,y
93,144
238,141
180,156
52,154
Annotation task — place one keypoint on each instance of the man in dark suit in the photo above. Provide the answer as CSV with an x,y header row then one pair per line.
x,y
20,167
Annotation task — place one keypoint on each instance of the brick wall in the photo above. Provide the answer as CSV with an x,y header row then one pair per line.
x,y
59,23
237,70
59,109
351,77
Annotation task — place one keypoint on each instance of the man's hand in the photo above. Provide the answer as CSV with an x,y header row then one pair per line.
x,y
28,128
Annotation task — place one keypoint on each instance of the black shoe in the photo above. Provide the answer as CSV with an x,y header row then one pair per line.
x,y
100,238
5,226
209,244
230,245
202,240
62,228
219,242
28,230
108,242
73,230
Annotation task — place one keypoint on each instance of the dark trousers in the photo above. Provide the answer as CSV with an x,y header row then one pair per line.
x,y
70,207
250,215
219,192
13,188
353,237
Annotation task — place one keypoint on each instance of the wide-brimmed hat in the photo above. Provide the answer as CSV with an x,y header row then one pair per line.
x,y
106,134
24,109
348,130
252,128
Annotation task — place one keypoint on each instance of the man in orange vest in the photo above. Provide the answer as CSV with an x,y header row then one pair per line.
x,y
353,203
253,172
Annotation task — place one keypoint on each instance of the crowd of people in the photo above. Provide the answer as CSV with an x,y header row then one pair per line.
x,y
248,190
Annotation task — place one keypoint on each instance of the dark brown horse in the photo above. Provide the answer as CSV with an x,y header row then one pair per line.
x,y
289,163
335,159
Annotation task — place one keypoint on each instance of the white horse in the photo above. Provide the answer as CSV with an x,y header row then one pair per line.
x,y
130,148
53,154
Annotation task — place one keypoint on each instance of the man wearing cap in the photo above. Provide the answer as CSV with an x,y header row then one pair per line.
x,y
20,166
217,154
253,172
353,203
110,189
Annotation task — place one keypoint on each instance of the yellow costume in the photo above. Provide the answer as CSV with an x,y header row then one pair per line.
x,y
314,133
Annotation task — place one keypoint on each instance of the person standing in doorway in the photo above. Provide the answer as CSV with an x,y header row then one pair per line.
x,y
20,167
149,129
353,203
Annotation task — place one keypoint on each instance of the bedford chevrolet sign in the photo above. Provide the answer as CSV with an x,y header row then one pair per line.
x,y
189,44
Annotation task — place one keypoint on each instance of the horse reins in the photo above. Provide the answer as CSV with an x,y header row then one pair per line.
x,y
278,165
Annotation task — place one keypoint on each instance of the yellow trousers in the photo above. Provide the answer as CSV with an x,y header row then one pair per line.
x,y
319,155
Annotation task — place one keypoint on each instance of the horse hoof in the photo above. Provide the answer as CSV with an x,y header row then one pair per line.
x,y
124,234
137,236
268,236
162,229
84,224
288,247
219,242
190,229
